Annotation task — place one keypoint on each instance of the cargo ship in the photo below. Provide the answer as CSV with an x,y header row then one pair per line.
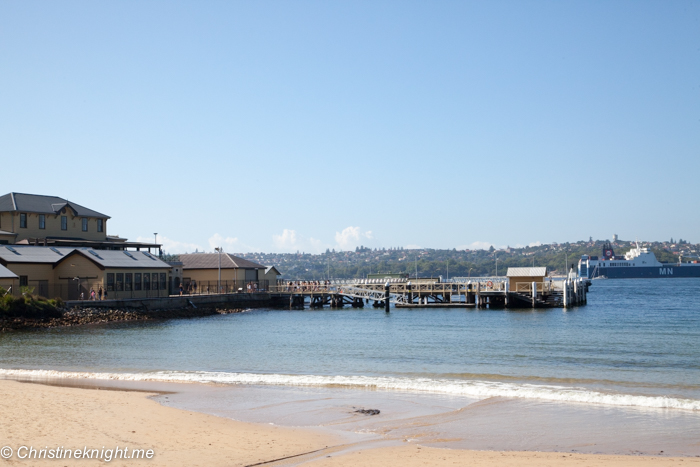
x,y
636,263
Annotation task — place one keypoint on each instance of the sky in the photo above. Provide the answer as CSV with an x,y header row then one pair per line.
x,y
284,126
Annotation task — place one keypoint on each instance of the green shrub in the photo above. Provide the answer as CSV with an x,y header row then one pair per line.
x,y
27,306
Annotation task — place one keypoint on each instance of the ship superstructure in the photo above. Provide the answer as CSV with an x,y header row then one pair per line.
x,y
637,263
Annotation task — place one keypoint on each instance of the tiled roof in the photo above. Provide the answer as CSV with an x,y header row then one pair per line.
x,y
527,272
122,259
211,261
6,273
103,258
32,254
43,204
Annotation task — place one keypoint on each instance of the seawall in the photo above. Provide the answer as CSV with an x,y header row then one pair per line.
x,y
81,312
237,300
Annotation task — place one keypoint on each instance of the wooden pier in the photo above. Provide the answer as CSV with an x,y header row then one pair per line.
x,y
482,292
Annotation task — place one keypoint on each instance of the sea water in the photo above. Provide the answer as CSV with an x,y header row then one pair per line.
x,y
621,374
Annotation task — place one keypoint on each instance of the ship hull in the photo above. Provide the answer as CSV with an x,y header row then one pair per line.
x,y
663,271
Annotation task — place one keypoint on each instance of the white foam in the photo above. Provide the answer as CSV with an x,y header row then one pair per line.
x,y
466,388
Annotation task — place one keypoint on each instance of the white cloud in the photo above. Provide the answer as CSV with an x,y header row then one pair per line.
x,y
351,237
172,246
478,245
413,247
230,244
520,245
290,241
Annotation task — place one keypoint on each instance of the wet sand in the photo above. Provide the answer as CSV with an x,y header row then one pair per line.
x,y
42,415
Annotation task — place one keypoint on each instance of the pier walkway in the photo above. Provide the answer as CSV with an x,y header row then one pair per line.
x,y
480,292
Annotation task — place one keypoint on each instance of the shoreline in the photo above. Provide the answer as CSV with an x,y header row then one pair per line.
x,y
91,414
87,315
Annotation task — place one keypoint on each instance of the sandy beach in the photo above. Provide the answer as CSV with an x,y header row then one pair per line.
x,y
50,417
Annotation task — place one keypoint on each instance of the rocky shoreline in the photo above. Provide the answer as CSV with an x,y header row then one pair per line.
x,y
80,316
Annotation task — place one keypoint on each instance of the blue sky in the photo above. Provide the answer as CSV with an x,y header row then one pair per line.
x,y
306,125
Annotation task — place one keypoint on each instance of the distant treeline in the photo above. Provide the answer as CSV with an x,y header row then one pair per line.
x,y
433,263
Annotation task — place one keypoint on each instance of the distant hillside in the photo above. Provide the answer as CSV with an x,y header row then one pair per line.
x,y
434,263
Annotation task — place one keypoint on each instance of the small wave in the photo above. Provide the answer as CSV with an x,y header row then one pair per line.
x,y
466,388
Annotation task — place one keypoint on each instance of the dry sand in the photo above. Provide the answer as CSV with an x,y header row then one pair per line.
x,y
40,416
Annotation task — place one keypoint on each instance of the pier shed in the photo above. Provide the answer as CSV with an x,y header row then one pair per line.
x,y
525,277
271,275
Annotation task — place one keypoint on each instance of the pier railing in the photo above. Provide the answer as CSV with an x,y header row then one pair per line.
x,y
400,287
82,290
190,287
542,287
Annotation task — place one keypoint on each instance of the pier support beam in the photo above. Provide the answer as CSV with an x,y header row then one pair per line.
x,y
387,304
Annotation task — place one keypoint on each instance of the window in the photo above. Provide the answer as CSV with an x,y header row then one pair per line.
x,y
120,282
146,281
100,225
23,281
42,221
64,223
23,220
127,282
85,224
162,281
137,281
110,281
155,281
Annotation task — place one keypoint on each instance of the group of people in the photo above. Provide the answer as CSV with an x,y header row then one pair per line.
x,y
306,286
191,288
96,295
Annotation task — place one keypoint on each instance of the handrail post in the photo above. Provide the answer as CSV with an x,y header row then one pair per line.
x,y
387,288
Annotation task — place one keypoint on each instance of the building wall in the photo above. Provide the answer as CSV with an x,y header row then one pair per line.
x,y
7,239
270,277
39,278
133,293
78,266
6,221
33,271
210,275
527,280
64,284
231,280
10,222
7,283
55,282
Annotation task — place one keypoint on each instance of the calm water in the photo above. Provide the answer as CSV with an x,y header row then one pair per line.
x,y
635,343
618,376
